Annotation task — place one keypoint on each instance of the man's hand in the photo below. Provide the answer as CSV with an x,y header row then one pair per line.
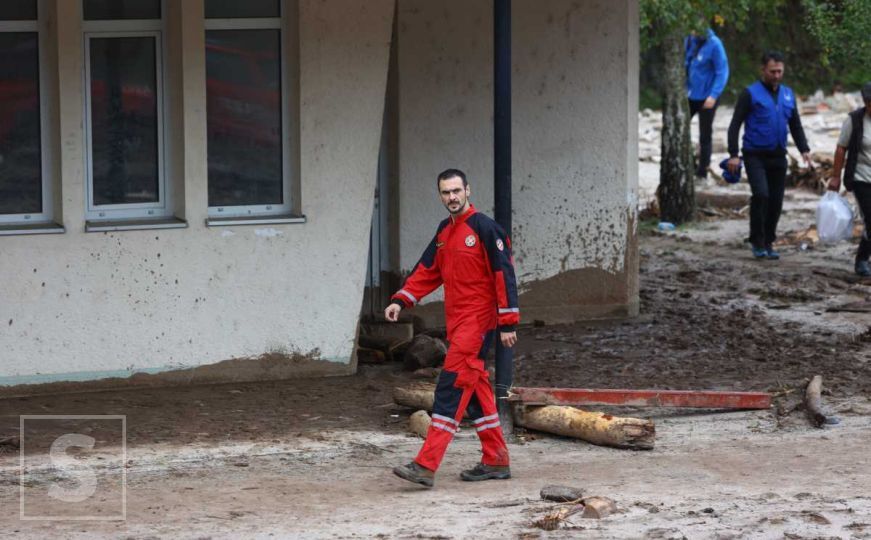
x,y
392,312
834,184
807,159
733,164
709,103
508,338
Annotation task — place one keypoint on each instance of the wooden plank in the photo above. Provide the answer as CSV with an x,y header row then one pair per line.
x,y
642,398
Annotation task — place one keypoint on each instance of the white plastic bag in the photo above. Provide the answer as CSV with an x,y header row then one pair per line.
x,y
834,218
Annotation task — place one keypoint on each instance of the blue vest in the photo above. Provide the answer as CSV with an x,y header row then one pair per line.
x,y
767,125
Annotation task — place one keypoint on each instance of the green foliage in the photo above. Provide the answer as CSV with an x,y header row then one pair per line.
x,y
826,43
842,28
660,17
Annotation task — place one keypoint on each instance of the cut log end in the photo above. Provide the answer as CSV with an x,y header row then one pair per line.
x,y
813,401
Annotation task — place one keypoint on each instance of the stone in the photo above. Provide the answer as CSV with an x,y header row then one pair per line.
x,y
419,423
561,493
424,351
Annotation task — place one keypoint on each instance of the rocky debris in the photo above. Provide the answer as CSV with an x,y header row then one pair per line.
x,y
561,493
424,351
419,423
555,519
589,508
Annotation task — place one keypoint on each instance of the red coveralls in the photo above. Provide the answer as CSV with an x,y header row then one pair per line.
x,y
471,256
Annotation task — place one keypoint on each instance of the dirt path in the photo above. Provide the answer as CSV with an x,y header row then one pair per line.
x,y
311,458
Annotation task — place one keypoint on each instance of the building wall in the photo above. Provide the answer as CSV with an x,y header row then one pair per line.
x,y
155,299
575,91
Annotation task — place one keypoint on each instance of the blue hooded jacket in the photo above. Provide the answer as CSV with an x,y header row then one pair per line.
x,y
707,66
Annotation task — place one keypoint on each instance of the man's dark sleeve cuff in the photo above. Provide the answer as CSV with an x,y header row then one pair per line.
x,y
507,328
398,302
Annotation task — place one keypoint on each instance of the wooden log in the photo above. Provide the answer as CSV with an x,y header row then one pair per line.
x,y
813,401
594,427
415,396
598,507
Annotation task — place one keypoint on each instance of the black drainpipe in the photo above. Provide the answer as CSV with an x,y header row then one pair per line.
x,y
502,176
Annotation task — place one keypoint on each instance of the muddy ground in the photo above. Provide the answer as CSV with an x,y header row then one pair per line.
x,y
311,458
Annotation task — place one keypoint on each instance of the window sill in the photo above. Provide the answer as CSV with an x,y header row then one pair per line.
x,y
135,224
13,229
254,220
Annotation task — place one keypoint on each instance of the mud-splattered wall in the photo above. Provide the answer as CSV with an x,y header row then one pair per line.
x,y
100,302
575,91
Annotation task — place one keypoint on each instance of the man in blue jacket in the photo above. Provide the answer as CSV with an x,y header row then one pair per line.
x,y
707,74
769,112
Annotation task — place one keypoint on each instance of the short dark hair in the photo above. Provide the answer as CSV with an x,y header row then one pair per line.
x,y
770,55
866,92
452,173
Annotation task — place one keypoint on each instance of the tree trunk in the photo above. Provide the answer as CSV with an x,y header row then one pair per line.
x,y
593,427
676,192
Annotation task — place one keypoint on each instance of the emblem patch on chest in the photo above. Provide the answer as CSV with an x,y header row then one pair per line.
x,y
499,245
470,240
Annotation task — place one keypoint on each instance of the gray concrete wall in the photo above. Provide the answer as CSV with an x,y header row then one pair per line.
x,y
575,91
98,302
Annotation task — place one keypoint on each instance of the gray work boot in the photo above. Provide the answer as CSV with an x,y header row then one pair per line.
x,y
486,472
863,268
415,473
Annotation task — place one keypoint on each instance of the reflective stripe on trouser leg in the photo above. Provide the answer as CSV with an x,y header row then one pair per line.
x,y
448,409
487,425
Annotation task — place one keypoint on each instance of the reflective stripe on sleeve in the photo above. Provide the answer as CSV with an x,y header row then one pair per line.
x,y
506,309
408,295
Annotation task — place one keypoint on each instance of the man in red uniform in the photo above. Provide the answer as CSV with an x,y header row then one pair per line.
x,y
471,256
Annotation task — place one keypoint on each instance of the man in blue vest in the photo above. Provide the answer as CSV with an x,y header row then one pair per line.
x,y
769,112
707,74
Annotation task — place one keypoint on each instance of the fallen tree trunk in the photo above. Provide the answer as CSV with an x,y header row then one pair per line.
x,y
416,396
813,401
594,427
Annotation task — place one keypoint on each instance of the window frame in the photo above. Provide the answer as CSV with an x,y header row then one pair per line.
x,y
279,23
121,28
40,27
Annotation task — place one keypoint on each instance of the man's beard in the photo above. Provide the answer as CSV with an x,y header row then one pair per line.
x,y
459,209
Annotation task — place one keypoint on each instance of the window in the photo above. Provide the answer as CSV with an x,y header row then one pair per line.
x,y
25,186
247,109
126,176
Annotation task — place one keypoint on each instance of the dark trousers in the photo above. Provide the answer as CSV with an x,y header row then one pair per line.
x,y
862,191
767,176
706,129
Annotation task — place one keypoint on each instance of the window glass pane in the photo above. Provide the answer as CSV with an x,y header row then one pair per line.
x,y
100,10
124,120
236,9
20,149
18,10
243,91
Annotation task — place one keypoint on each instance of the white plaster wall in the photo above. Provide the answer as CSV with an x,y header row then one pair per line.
x,y
574,88
445,111
575,81
151,299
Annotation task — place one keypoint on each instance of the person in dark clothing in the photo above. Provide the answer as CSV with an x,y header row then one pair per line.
x,y
854,147
767,109
707,74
